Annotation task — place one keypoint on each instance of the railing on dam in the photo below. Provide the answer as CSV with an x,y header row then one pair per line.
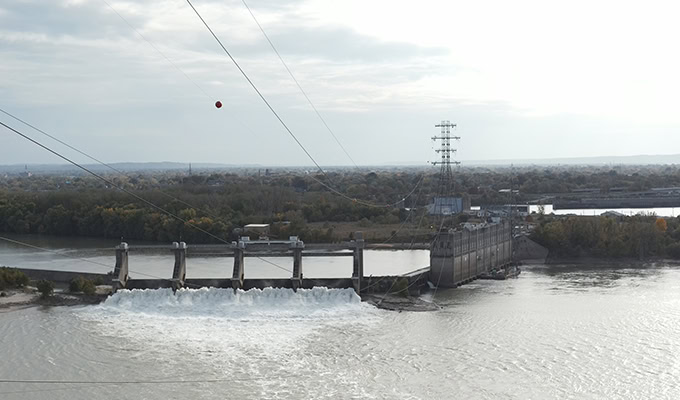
x,y
457,257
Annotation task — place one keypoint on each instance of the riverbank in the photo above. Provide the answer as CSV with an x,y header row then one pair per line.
x,y
17,299
13,299
608,261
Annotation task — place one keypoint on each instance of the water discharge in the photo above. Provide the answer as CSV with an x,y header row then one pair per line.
x,y
254,304
262,332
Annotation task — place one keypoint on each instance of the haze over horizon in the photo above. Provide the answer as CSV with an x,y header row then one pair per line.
x,y
526,80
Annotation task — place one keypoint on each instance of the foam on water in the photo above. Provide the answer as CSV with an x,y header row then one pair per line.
x,y
223,328
269,303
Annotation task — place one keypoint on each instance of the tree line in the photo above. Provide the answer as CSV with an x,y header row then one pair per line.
x,y
218,204
640,236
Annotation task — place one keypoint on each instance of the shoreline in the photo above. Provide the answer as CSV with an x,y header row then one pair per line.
x,y
28,297
606,260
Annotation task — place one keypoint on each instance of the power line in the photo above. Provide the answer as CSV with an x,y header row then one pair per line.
x,y
366,203
132,194
53,251
108,181
258,91
290,132
119,187
99,161
123,190
298,84
108,267
212,98
157,50
75,258
394,234
128,192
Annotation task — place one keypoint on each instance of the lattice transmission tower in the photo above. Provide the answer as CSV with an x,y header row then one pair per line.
x,y
446,183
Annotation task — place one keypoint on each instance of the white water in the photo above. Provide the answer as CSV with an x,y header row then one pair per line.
x,y
259,331
254,304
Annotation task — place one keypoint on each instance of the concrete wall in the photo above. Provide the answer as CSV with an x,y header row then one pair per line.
x,y
528,251
461,256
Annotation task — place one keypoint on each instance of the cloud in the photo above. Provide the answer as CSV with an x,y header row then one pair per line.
x,y
377,71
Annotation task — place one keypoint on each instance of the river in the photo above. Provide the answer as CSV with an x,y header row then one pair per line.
x,y
659,211
586,332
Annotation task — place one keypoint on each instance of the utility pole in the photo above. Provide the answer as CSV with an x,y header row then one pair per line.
x,y
446,184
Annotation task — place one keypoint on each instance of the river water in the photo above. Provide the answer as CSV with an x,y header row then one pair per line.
x,y
588,332
659,211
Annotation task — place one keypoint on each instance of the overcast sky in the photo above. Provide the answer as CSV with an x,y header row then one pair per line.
x,y
523,79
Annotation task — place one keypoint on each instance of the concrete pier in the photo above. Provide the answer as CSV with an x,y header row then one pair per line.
x,y
179,272
238,274
357,261
120,271
296,279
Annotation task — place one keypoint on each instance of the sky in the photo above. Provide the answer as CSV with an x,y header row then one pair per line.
x,y
521,79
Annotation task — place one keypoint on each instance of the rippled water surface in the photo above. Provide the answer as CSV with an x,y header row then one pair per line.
x,y
556,332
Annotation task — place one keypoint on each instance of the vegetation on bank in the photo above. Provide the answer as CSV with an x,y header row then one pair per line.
x,y
295,203
640,236
45,288
82,285
11,278
220,205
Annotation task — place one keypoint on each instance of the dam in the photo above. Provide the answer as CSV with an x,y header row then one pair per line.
x,y
456,257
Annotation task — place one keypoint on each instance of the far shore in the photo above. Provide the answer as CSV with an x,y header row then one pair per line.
x,y
590,260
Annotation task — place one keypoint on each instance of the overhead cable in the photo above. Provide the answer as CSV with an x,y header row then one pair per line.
x,y
323,120
99,161
278,117
108,181
258,91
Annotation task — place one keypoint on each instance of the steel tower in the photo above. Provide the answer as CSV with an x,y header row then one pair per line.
x,y
446,184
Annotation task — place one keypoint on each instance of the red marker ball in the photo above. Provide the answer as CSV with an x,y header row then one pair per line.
x,y
218,104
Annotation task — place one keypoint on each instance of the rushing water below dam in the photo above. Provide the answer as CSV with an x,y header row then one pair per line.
x,y
599,332
594,332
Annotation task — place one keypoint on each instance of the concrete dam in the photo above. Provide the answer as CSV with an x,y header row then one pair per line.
x,y
458,257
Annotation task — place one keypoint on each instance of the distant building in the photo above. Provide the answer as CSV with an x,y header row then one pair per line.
x,y
260,230
448,205
520,210
612,214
